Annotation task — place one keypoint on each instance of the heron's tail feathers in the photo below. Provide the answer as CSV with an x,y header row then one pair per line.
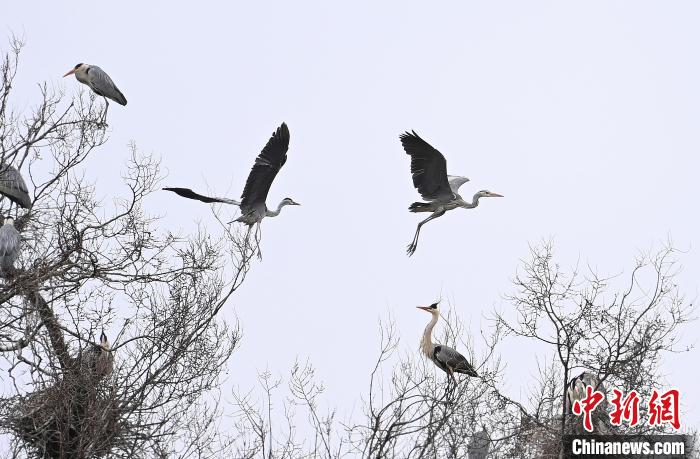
x,y
119,98
419,207
467,370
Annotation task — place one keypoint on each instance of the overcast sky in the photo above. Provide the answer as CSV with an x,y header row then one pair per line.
x,y
583,114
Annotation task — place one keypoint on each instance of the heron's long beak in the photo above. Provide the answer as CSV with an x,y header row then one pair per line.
x,y
424,308
70,72
495,195
295,204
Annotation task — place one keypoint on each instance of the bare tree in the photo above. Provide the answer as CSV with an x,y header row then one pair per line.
x,y
87,266
578,323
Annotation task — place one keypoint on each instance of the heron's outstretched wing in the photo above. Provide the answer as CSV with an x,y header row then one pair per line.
x,y
12,185
267,165
428,167
454,360
187,193
455,182
103,85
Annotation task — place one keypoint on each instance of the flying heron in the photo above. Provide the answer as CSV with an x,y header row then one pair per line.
x,y
12,186
99,360
446,358
9,245
98,80
267,165
429,170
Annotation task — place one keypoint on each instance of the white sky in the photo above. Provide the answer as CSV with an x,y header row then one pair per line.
x,y
584,115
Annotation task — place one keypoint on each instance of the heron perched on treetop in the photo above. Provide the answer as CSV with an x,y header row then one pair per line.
x,y
12,186
429,170
9,245
446,358
267,165
98,80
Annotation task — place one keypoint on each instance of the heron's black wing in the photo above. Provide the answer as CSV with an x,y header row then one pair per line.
x,y
445,355
267,165
12,185
187,193
428,167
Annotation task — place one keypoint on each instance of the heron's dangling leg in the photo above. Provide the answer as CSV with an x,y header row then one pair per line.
x,y
258,237
414,245
246,243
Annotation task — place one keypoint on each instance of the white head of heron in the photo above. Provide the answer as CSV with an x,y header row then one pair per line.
x,y
432,309
290,202
78,68
104,342
488,194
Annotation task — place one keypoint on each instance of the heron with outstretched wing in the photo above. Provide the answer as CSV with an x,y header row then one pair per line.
x,y
253,200
429,171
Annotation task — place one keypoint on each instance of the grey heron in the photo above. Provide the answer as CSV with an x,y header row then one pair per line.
x,y
9,245
13,187
576,388
99,360
98,80
447,359
429,170
267,165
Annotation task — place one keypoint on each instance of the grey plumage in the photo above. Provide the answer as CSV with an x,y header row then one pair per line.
x,y
444,357
98,80
98,360
9,245
576,388
12,186
253,199
429,172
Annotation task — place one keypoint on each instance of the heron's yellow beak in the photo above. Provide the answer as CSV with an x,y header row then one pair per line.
x,y
70,72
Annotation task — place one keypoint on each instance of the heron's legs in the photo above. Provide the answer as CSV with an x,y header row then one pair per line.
x,y
258,237
103,120
246,243
413,245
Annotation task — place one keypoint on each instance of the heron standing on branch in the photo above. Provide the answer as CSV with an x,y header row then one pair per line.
x,y
13,187
252,203
446,358
429,170
9,245
98,80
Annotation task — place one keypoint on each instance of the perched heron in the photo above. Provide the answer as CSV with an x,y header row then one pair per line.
x,y
9,245
429,170
449,360
98,80
99,359
267,165
576,388
12,186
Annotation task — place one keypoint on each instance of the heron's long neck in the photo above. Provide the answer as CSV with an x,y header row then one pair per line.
x,y
426,344
474,203
274,213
